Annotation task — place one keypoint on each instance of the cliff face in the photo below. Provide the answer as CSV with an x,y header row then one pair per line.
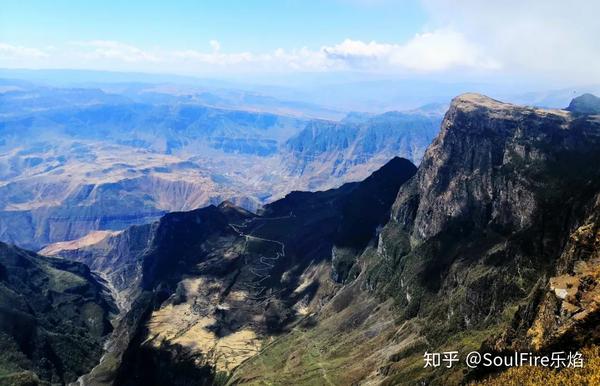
x,y
357,146
54,318
115,256
569,303
490,164
481,228
492,245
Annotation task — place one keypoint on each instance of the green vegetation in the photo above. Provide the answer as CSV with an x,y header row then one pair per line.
x,y
61,281
53,319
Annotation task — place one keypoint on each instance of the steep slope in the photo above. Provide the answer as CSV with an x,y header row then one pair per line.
x,y
53,319
217,283
487,215
563,315
115,256
474,239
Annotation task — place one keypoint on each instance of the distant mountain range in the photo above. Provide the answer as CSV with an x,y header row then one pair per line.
x,y
317,95
74,160
326,150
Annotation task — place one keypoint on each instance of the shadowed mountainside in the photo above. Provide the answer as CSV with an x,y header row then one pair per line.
x,y
218,281
53,319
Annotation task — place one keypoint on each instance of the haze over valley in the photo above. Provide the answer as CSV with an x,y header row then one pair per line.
x,y
76,160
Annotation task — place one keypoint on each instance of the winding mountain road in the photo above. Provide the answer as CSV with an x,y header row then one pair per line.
x,y
261,271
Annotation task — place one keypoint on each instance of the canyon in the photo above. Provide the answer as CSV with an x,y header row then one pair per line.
x,y
490,244
76,160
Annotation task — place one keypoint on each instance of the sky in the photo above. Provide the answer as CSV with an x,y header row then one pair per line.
x,y
553,42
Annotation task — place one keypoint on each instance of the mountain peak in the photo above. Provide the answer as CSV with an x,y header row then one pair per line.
x,y
471,101
474,102
585,104
231,210
477,139
394,167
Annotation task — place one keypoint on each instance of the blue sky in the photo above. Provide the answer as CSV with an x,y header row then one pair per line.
x,y
238,25
552,41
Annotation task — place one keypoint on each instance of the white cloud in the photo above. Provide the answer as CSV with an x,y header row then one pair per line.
x,y
214,58
433,51
552,39
440,50
19,52
352,50
430,52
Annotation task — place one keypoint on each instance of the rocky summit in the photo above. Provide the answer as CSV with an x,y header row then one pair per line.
x,y
585,104
491,244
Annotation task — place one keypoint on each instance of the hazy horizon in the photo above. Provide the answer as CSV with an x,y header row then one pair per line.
x,y
547,45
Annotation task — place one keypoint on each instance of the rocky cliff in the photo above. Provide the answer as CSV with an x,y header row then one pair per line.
x,y
54,318
358,145
490,247
117,257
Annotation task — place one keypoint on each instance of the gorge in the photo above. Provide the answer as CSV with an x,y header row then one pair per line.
x,y
491,244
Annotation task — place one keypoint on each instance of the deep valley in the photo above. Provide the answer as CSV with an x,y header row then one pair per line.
x,y
490,244
76,160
